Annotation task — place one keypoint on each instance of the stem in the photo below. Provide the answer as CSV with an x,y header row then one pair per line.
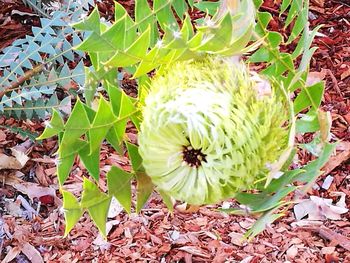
x,y
27,75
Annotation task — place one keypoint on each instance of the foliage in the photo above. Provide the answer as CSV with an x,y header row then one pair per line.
x,y
24,133
34,67
139,47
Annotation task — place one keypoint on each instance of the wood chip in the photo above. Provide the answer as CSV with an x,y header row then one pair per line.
x,y
339,158
327,250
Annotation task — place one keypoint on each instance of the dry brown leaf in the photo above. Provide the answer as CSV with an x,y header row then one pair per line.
x,y
13,208
315,77
194,251
345,74
17,162
185,208
237,239
33,190
306,223
41,176
317,208
31,253
11,255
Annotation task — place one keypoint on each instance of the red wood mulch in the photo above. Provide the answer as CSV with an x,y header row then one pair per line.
x,y
156,236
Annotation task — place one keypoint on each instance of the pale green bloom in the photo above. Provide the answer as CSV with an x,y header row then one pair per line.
x,y
210,129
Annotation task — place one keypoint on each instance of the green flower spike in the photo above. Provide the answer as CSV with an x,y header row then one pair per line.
x,y
211,129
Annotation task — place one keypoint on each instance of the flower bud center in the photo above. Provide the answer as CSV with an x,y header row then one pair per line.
x,y
193,157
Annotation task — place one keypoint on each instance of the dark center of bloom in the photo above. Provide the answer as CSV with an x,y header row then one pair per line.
x,y
193,157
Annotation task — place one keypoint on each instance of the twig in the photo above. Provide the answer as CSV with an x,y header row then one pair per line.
x,y
341,2
335,82
27,75
332,236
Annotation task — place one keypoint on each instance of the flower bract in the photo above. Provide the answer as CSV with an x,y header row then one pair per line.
x,y
210,129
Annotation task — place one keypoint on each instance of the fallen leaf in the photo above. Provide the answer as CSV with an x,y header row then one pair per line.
x,y
317,208
306,223
345,74
194,251
33,190
13,208
237,239
341,202
315,77
41,176
185,208
31,253
16,162
11,255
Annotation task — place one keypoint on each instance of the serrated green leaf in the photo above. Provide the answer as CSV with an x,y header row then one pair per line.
x,y
308,123
284,180
264,19
116,34
295,8
261,223
77,124
144,190
208,7
91,23
167,200
91,161
135,158
309,96
65,162
280,66
133,54
285,4
263,202
97,204
103,121
165,16
312,169
221,37
299,25
144,18
55,126
180,8
119,185
72,211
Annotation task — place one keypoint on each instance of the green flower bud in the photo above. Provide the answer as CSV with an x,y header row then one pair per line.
x,y
211,129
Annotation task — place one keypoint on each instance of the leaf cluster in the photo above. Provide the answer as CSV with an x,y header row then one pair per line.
x,y
162,34
35,66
